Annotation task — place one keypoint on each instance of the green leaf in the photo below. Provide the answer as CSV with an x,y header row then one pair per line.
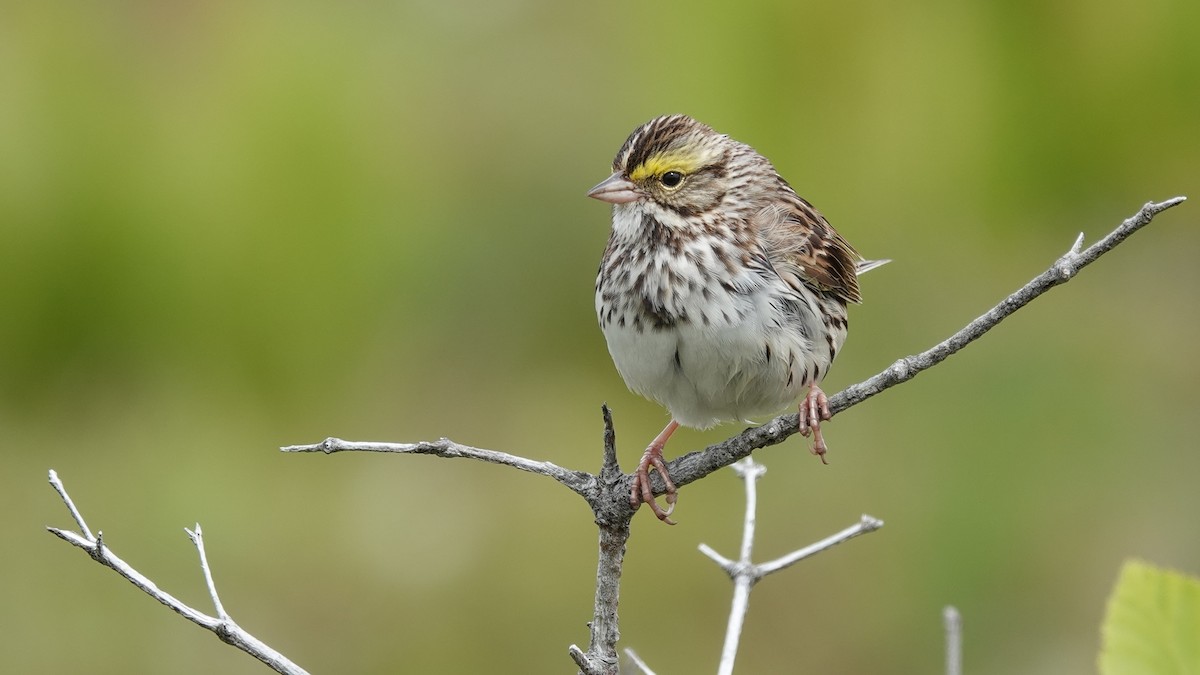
x,y
1153,623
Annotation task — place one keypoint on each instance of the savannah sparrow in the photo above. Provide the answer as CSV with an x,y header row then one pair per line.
x,y
722,293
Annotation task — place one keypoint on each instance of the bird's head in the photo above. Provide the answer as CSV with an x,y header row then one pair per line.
x,y
676,163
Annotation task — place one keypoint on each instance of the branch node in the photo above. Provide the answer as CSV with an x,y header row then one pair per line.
x,y
748,468
226,631
97,553
744,568
1067,265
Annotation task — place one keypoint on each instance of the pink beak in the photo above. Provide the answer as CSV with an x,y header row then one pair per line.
x,y
615,189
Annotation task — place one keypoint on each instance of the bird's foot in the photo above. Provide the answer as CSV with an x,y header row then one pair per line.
x,y
813,410
642,490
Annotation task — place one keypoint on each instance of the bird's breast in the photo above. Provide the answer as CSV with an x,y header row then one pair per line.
x,y
708,340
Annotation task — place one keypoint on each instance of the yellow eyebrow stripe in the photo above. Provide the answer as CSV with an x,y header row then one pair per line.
x,y
663,162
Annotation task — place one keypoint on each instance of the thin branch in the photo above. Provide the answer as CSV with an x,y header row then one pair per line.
x,y
610,504
577,481
865,525
953,624
224,627
696,465
749,471
197,537
637,661
742,572
584,662
745,573
62,492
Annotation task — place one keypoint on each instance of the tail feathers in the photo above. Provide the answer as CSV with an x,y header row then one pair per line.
x,y
868,265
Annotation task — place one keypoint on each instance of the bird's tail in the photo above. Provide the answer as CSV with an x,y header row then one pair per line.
x,y
868,265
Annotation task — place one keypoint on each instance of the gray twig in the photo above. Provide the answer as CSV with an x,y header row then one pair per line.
x,y
610,504
578,481
745,573
637,661
222,625
197,537
696,465
953,624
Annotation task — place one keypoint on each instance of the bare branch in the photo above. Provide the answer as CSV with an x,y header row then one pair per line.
x,y
610,504
62,492
749,471
745,573
953,624
637,661
696,465
197,537
742,572
865,525
224,627
585,664
722,562
577,481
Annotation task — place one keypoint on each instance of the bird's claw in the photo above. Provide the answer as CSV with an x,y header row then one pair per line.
x,y
813,410
643,492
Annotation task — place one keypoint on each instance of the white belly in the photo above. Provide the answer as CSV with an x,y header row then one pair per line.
x,y
740,364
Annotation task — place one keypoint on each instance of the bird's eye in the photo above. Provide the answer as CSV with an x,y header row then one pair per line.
x,y
671,179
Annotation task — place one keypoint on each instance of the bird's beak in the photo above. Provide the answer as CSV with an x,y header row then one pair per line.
x,y
615,189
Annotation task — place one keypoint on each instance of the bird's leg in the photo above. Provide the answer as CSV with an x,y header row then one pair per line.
x,y
653,458
813,409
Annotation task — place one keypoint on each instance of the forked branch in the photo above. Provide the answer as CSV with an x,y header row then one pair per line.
x,y
745,573
222,625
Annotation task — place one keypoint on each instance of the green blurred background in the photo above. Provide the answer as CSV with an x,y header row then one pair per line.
x,y
227,227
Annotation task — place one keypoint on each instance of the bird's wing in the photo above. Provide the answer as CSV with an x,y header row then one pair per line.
x,y
805,249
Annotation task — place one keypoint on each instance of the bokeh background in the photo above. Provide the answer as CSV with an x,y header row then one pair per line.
x,y
227,227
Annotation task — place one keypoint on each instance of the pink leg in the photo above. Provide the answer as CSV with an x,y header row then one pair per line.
x,y
813,409
653,458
